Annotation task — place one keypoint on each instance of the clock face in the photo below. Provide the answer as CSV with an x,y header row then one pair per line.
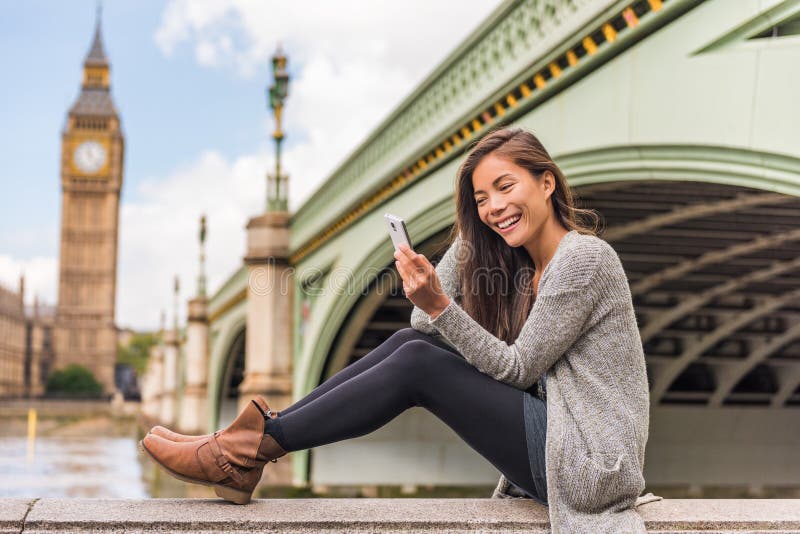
x,y
90,156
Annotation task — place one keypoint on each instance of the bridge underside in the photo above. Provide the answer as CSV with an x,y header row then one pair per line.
x,y
714,272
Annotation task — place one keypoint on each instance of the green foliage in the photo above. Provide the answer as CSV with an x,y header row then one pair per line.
x,y
137,351
74,380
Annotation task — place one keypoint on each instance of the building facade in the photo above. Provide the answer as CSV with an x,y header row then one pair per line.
x,y
12,342
80,329
91,181
26,346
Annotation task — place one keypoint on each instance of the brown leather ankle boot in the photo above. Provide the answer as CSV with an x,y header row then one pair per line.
x,y
230,460
168,434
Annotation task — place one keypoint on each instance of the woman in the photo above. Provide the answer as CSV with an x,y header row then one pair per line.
x,y
543,373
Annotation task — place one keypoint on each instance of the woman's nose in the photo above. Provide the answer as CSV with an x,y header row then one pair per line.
x,y
496,205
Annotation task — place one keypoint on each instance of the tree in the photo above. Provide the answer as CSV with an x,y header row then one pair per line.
x,y
74,380
137,351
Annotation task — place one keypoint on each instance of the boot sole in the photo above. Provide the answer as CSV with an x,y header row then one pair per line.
x,y
224,492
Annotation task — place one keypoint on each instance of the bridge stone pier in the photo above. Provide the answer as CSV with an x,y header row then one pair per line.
x,y
194,407
169,392
677,120
151,387
268,347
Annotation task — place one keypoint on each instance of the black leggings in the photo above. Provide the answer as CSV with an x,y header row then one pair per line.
x,y
414,369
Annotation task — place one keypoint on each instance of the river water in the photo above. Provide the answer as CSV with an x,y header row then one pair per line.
x,y
80,455
72,467
81,451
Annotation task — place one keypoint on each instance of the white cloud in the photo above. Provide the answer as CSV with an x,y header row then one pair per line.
x,y
178,20
206,54
41,277
412,36
352,62
333,121
159,233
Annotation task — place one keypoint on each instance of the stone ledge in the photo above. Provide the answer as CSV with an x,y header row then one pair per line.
x,y
12,514
374,515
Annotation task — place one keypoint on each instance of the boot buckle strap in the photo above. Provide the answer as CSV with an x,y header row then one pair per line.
x,y
222,462
228,469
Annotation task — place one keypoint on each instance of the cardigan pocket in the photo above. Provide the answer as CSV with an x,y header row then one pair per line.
x,y
602,481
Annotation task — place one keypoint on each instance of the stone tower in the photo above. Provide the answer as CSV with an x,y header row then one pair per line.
x,y
92,147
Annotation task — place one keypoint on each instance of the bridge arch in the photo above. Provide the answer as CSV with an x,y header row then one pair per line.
x,y
736,166
741,179
228,349
713,270
440,216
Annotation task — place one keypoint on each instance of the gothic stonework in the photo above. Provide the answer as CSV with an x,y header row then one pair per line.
x,y
91,181
12,343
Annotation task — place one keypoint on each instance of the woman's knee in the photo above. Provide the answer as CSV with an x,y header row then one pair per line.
x,y
404,335
419,356
421,369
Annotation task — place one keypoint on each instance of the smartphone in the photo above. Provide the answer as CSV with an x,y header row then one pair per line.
x,y
397,230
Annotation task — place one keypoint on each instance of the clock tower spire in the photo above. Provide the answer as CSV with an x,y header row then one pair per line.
x,y
92,150
96,67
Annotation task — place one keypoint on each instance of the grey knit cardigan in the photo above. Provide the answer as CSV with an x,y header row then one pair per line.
x,y
582,332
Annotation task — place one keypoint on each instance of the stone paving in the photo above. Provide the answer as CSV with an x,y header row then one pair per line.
x,y
373,515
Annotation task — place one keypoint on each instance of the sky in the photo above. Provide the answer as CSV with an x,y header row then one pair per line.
x,y
189,79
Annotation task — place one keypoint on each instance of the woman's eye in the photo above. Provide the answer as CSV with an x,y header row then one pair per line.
x,y
507,186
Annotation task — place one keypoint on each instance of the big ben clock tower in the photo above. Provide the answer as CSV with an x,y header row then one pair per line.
x,y
92,148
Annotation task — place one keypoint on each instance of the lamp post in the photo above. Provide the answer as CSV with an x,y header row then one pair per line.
x,y
201,279
276,94
268,344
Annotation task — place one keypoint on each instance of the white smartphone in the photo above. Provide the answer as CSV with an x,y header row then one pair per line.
x,y
397,230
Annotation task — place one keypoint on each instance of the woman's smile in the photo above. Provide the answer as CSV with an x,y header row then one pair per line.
x,y
509,199
508,224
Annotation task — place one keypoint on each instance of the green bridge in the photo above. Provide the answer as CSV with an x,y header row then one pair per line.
x,y
678,120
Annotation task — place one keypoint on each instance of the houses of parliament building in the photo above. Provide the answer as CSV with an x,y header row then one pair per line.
x,y
37,340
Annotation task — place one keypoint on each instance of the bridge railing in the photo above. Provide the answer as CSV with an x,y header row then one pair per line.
x,y
523,54
480,70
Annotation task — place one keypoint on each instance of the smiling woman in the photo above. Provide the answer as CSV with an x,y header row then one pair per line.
x,y
514,205
488,380
568,330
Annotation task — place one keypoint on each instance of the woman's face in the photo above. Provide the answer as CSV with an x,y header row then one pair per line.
x,y
504,192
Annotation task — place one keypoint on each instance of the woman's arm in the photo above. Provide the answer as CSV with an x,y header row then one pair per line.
x,y
557,320
448,276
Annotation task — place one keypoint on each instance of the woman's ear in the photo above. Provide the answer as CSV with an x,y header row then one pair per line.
x,y
548,184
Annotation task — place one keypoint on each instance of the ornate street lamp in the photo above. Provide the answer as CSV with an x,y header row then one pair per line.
x,y
201,279
276,94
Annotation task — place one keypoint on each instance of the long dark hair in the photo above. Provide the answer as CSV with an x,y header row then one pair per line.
x,y
485,259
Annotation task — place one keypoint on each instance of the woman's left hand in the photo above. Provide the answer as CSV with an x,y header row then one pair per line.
x,y
420,281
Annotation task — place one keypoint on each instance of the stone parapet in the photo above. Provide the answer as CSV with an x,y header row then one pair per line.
x,y
374,515
194,401
268,238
